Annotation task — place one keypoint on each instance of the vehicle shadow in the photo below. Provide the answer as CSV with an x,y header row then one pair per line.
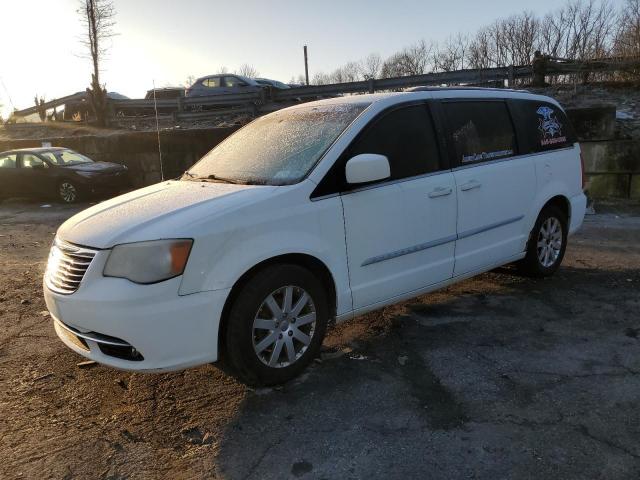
x,y
446,383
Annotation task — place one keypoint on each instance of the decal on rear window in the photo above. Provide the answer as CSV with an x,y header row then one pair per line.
x,y
549,126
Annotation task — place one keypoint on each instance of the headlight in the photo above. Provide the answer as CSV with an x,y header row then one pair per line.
x,y
148,262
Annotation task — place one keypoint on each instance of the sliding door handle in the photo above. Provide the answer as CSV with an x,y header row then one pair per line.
x,y
470,185
440,192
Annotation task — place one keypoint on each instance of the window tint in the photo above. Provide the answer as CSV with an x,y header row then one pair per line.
x,y
480,131
542,126
407,139
8,161
213,82
66,157
30,161
233,81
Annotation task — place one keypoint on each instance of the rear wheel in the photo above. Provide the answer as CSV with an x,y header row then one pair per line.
x,y
547,244
67,192
275,326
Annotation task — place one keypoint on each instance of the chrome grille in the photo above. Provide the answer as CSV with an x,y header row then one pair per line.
x,y
66,266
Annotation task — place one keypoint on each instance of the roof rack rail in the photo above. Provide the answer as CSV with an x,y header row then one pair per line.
x,y
429,89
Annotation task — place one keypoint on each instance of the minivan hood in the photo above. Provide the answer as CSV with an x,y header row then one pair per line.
x,y
163,210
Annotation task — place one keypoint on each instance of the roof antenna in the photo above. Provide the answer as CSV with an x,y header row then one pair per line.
x,y
155,107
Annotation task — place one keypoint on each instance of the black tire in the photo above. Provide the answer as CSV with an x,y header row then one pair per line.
x,y
240,358
68,191
532,264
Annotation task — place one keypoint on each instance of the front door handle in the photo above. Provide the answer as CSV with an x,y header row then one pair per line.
x,y
470,185
440,192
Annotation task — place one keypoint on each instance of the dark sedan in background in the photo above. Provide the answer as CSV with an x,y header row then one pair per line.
x,y
58,172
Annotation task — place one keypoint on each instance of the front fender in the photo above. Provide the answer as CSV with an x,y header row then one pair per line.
x,y
219,259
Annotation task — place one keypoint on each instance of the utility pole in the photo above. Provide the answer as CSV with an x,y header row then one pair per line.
x,y
306,65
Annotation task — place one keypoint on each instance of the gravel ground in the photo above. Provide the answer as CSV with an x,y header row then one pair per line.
x,y
497,377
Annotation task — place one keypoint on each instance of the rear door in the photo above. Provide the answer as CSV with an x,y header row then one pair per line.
x,y
401,232
34,175
8,174
495,186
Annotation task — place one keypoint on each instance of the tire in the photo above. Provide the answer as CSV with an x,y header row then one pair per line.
x,y
257,342
544,255
68,191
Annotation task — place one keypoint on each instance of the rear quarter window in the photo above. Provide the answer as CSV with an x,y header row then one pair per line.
x,y
542,126
480,130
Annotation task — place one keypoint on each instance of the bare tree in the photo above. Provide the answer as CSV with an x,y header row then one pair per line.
x,y
412,60
247,70
452,54
222,70
370,67
479,51
190,80
97,17
627,37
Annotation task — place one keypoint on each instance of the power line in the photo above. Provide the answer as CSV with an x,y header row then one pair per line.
x,y
7,92
155,107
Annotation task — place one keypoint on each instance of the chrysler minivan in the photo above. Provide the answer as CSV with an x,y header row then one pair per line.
x,y
313,214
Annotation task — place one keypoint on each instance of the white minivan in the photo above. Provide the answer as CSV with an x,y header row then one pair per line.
x,y
315,213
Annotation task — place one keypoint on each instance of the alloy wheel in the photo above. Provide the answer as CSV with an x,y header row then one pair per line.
x,y
549,242
284,326
68,192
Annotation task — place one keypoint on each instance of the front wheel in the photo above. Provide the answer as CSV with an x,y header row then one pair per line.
x,y
67,192
275,326
547,244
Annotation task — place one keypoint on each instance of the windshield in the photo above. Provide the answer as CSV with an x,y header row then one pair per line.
x,y
66,157
277,149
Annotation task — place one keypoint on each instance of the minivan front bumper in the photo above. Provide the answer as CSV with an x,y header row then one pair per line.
x,y
138,327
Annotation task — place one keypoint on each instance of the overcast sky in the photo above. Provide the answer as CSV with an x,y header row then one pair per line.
x,y
167,40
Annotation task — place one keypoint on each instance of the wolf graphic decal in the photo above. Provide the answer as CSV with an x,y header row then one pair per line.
x,y
549,127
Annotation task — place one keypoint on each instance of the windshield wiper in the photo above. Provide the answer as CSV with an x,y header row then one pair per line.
x,y
215,178
222,179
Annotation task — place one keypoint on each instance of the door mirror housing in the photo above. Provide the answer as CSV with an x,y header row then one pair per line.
x,y
367,167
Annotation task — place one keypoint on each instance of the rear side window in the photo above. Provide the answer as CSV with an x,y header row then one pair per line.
x,y
8,161
480,131
406,137
542,126
31,161
233,82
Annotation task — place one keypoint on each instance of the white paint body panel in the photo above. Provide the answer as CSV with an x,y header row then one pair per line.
x,y
381,245
500,197
385,222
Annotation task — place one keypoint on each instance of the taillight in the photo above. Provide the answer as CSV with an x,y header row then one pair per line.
x,y
584,177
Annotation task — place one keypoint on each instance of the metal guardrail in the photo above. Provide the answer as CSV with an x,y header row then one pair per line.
x,y
51,104
269,99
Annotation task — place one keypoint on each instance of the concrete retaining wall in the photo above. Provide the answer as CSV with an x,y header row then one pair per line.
x,y
613,168
612,165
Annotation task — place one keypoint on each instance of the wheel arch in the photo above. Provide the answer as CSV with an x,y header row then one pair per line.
x,y
561,202
311,263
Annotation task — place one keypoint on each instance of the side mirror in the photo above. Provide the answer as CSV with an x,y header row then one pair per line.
x,y
242,84
367,167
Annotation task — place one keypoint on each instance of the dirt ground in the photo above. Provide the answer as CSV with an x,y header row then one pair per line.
x,y
496,377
